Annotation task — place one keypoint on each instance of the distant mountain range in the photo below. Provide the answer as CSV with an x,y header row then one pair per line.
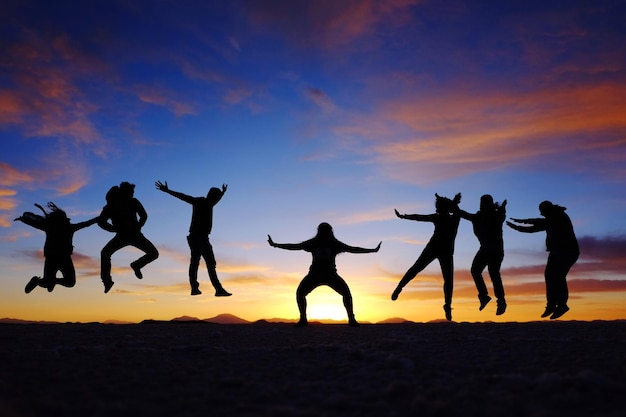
x,y
219,319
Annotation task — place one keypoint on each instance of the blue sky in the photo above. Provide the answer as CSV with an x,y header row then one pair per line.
x,y
310,112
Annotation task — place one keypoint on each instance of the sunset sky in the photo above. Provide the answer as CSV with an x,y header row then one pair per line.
x,y
312,111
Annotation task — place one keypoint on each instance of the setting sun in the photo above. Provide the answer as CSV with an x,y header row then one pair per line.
x,y
324,304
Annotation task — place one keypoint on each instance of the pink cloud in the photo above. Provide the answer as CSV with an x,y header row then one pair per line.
x,y
10,176
328,24
45,99
163,98
452,134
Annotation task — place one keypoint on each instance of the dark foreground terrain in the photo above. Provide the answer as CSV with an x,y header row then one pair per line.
x,y
201,369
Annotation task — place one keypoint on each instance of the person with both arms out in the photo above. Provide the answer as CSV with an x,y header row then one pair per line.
x,y
324,248
199,231
58,247
562,245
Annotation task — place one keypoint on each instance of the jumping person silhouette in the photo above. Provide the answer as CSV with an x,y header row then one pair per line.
x,y
487,223
198,239
324,248
440,246
562,245
127,216
58,247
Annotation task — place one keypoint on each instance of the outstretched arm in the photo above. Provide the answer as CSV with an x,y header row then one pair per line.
x,y
464,214
33,220
534,222
288,246
356,249
163,187
417,217
103,221
526,229
86,223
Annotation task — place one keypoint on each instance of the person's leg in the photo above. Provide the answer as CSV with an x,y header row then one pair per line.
x,y
341,287
422,262
50,268
478,266
151,253
107,251
35,281
562,265
307,285
447,270
211,265
495,262
32,284
194,262
68,273
549,274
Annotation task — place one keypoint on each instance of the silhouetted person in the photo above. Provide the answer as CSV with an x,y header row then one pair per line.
x,y
562,245
487,223
127,216
440,246
324,248
58,247
198,239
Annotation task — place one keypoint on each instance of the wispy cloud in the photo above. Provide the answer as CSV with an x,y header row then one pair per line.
x,y
328,24
11,176
321,99
462,132
167,99
45,98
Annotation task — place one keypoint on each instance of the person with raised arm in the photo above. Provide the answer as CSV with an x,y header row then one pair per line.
x,y
199,231
58,247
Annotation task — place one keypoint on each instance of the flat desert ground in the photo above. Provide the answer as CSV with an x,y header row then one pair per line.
x,y
560,368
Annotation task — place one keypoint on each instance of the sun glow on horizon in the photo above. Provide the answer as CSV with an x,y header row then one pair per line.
x,y
341,128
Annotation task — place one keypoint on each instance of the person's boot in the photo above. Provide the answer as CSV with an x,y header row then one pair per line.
x,y
484,300
501,307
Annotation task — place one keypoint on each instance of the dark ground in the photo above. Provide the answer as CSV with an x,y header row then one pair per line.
x,y
201,369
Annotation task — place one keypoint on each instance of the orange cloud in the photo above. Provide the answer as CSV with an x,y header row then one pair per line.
x,y
7,203
10,176
7,193
464,132
5,221
45,98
